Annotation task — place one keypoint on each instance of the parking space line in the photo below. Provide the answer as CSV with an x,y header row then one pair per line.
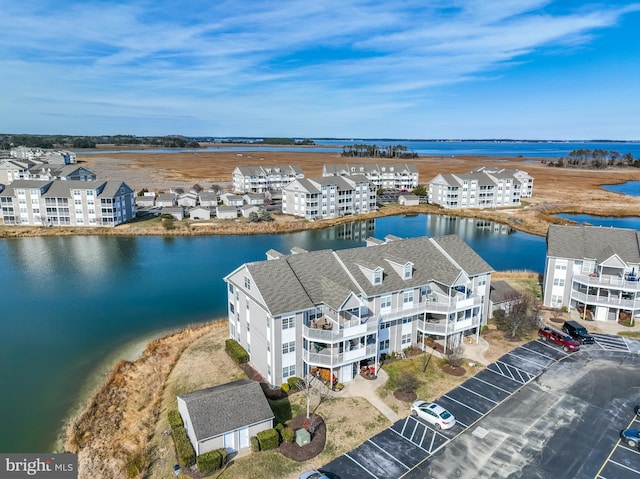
x,y
415,444
424,434
427,426
463,404
538,353
613,449
361,466
404,427
526,359
477,394
492,385
630,449
626,467
551,347
391,456
433,439
503,375
414,431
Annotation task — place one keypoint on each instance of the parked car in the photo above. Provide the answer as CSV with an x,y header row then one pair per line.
x,y
563,340
577,332
631,437
313,475
434,414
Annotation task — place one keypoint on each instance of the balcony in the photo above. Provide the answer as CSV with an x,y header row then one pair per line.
x,y
329,357
600,300
446,327
628,282
433,305
345,326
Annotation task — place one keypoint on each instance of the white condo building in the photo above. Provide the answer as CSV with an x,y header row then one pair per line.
x,y
338,311
261,179
397,176
329,197
594,270
481,188
67,203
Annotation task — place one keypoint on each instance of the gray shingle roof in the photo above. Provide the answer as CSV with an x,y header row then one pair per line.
x,y
325,276
593,242
219,409
25,184
501,291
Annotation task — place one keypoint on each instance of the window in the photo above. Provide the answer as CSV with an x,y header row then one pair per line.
x,y
248,303
384,344
231,308
268,322
288,371
230,288
406,339
377,276
406,320
384,325
288,323
558,282
407,298
248,326
288,347
385,301
247,282
561,266
407,271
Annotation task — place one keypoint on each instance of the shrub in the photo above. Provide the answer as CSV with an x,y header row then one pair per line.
x,y
269,439
294,383
212,460
407,382
285,387
185,450
255,444
288,435
279,427
235,351
175,420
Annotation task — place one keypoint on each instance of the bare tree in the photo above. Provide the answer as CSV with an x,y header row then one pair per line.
x,y
522,315
454,355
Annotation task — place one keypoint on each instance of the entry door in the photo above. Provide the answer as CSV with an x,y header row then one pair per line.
x,y
229,441
244,438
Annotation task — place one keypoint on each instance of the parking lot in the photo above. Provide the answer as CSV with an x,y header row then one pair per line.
x,y
526,415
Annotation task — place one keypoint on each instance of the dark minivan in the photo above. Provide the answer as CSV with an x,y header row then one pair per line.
x,y
577,332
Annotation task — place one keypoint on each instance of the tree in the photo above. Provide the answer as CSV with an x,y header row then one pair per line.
x,y
307,386
420,191
521,316
454,355
407,382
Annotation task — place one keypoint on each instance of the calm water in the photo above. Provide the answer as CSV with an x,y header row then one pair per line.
x,y
433,148
69,302
632,222
631,188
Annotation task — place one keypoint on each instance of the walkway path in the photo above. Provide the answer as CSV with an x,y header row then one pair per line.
x,y
366,388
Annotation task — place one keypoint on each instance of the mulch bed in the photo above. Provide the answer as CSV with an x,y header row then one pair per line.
x,y
313,448
405,396
454,371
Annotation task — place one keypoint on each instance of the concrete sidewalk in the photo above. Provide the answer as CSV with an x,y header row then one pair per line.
x,y
366,388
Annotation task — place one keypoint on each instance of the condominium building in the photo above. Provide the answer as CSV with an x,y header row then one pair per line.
x,y
261,179
67,203
594,270
329,197
62,157
397,176
481,188
335,312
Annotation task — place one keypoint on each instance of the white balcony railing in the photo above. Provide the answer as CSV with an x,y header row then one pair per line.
x,y
616,301
328,358
440,306
607,281
445,327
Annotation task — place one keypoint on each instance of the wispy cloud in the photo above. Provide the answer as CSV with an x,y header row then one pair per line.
x,y
163,57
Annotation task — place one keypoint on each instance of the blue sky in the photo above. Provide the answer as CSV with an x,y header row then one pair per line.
x,y
525,69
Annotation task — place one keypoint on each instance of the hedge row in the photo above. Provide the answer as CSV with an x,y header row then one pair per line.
x,y
212,460
294,383
288,435
269,439
185,450
175,420
255,444
235,351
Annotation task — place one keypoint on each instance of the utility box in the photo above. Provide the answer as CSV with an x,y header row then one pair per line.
x,y
302,437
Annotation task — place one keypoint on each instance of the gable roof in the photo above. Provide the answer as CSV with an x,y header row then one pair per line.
x,y
593,242
219,409
501,291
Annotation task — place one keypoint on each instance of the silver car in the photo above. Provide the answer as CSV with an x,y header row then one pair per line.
x,y
434,414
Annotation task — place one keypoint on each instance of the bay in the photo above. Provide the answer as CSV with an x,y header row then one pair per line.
x,y
631,222
631,188
71,305
528,149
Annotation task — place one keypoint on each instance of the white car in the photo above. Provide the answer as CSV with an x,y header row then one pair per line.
x,y
433,414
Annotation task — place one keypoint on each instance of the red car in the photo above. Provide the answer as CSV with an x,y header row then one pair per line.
x,y
558,337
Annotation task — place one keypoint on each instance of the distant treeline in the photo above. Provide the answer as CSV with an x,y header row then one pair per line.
x,y
598,158
269,141
374,151
8,141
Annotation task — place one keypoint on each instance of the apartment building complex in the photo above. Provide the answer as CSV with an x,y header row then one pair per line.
x,y
329,197
67,203
336,312
397,176
61,157
261,179
481,188
595,270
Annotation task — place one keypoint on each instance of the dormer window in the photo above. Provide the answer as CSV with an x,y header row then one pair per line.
x,y
408,270
377,276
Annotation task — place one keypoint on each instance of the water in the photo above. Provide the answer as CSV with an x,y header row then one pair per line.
x,y
69,302
424,148
631,222
631,188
